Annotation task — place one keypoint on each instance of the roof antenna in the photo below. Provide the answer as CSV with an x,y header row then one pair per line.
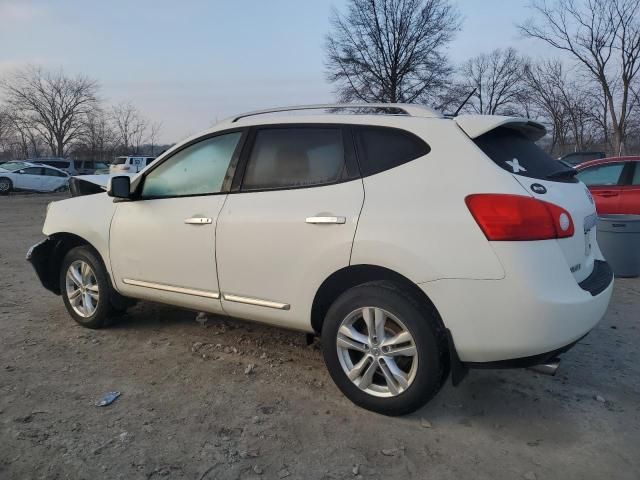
x,y
465,102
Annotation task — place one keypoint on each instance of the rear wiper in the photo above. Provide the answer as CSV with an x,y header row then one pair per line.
x,y
568,173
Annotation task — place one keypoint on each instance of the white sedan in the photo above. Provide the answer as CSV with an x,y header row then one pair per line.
x,y
32,176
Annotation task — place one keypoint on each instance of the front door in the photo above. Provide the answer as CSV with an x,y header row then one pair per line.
x,y
604,183
289,224
163,244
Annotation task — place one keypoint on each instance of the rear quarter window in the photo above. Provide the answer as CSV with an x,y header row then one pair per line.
x,y
514,152
382,148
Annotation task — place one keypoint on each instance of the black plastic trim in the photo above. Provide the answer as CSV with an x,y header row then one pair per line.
x,y
524,362
600,278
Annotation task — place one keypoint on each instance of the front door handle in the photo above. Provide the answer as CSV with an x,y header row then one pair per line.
x,y
607,193
197,220
320,220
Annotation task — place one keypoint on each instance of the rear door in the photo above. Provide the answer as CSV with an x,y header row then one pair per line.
x,y
289,223
630,189
53,179
605,183
512,148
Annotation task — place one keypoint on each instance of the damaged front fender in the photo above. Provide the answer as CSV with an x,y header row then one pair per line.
x,y
42,256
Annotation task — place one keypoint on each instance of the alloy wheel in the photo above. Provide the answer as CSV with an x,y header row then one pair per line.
x,y
377,352
82,288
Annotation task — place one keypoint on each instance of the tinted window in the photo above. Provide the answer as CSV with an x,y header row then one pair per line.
x,y
602,174
515,153
32,171
295,157
380,149
636,176
56,164
53,173
149,160
196,170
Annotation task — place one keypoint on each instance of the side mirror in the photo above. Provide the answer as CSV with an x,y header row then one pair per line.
x,y
119,187
21,172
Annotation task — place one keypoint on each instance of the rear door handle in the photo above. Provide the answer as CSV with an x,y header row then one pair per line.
x,y
197,220
320,220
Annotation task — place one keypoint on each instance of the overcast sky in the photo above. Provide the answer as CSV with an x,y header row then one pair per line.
x,y
188,63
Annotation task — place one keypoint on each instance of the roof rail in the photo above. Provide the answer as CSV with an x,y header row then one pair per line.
x,y
406,109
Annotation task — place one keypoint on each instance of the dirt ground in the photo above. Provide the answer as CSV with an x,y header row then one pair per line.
x,y
236,400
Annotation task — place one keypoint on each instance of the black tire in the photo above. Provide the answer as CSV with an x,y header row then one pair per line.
x,y
422,323
6,185
104,311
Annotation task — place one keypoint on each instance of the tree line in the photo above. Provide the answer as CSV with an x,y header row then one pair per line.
x,y
392,51
588,95
48,113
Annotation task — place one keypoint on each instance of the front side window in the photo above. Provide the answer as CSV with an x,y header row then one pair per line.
x,y
602,174
199,169
32,171
636,175
53,173
295,157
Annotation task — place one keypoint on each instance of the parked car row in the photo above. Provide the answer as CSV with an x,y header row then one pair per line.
x,y
32,176
48,174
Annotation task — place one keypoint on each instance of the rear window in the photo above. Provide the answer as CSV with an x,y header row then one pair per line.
x,y
515,153
381,148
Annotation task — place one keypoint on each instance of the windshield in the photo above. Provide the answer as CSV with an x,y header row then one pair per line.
x,y
120,161
98,165
13,166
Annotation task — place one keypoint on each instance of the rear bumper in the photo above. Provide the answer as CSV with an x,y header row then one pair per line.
x,y
42,256
534,313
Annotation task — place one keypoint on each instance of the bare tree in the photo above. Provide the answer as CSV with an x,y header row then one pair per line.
x,y
390,50
130,126
154,131
497,78
53,104
603,36
99,139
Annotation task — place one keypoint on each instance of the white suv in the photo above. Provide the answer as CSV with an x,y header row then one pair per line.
x,y
415,245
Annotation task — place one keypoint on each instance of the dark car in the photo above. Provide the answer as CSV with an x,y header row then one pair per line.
x,y
575,158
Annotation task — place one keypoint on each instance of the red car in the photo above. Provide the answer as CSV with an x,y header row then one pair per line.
x,y
614,183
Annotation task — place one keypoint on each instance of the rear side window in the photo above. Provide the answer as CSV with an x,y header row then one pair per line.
x,y
515,153
381,148
602,174
53,173
636,175
295,157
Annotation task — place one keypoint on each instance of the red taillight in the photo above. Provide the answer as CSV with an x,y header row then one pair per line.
x,y
516,217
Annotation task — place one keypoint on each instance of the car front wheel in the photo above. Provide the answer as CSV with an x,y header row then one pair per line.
x,y
384,349
5,186
85,288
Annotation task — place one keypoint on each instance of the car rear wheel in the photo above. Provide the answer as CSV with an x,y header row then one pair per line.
x,y
85,288
384,350
5,185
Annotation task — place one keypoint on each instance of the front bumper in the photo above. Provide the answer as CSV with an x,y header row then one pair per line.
x,y
42,257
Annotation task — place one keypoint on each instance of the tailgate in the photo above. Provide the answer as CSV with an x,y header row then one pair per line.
x,y
510,144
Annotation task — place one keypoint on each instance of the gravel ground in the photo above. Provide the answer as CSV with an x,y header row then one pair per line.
x,y
231,399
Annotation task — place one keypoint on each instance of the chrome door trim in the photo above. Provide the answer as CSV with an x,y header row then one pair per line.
x,y
171,288
256,301
317,220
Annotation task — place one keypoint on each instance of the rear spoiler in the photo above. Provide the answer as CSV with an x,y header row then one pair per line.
x,y
476,125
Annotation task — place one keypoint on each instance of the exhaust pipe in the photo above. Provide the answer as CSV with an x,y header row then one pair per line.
x,y
548,368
